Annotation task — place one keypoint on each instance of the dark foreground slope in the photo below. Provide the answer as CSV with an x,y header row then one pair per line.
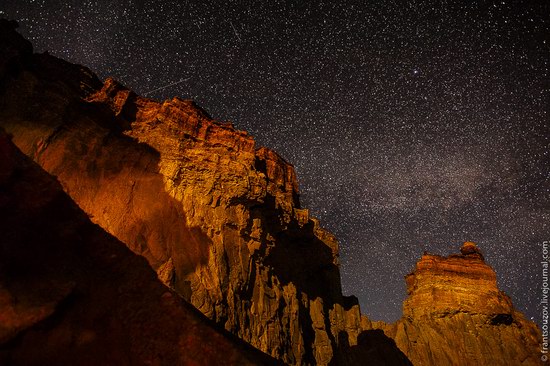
x,y
71,294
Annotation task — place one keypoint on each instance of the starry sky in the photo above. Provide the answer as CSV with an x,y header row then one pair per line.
x,y
413,125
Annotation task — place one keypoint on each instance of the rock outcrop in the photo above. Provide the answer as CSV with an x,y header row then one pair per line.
x,y
71,294
456,315
218,218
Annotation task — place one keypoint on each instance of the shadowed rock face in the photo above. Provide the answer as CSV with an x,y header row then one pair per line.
x,y
456,315
218,218
71,294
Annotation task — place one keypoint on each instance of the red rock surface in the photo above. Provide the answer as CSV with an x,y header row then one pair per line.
x,y
456,315
216,216
71,294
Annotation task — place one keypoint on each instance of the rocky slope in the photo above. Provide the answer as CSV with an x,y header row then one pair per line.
x,y
456,315
71,294
217,217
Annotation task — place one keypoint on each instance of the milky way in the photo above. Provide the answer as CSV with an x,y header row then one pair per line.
x,y
413,125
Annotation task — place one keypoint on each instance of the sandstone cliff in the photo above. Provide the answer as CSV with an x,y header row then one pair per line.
x,y
456,315
217,217
71,294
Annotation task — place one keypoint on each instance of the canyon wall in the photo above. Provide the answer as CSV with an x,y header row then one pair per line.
x,y
216,216
71,294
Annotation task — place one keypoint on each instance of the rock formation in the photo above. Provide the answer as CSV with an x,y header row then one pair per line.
x,y
456,315
71,294
218,218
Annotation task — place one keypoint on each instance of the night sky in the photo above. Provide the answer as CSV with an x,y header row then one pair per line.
x,y
413,125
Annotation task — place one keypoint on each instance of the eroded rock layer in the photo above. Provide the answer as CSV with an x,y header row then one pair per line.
x,y
217,217
71,294
456,315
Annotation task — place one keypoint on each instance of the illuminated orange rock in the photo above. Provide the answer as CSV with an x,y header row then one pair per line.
x,y
71,294
456,315
216,217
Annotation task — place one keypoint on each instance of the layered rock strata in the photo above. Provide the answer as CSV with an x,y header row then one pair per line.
x,y
456,315
71,294
216,216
